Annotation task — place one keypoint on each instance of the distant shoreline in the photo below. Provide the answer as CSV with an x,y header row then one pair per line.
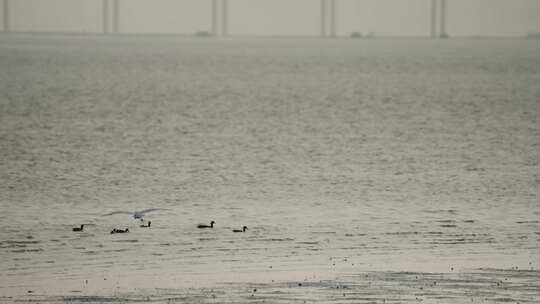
x,y
233,36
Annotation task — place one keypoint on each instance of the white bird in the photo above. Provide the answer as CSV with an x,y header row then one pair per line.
x,y
136,214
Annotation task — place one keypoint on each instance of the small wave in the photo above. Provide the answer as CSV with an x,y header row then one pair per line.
x,y
17,244
126,241
277,240
448,226
452,211
402,233
93,299
27,250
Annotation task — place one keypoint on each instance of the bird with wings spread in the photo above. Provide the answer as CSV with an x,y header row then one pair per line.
x,y
136,214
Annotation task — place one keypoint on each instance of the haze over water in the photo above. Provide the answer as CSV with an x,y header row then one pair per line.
x,y
342,157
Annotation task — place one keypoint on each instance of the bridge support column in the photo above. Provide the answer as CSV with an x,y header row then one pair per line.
x,y
225,17
6,14
105,16
433,19
215,9
116,15
333,29
323,18
444,34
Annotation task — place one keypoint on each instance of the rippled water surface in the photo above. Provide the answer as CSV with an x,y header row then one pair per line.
x,y
362,164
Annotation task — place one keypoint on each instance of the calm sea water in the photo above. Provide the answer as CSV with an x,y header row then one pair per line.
x,y
341,157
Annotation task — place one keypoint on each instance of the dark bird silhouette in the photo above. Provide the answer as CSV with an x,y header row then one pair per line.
x,y
78,229
147,225
202,226
119,231
241,230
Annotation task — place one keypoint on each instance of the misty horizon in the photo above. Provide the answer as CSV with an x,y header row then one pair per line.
x,y
279,17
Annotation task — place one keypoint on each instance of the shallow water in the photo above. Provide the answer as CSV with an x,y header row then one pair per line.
x,y
342,158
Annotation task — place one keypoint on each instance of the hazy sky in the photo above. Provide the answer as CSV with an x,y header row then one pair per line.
x,y
281,17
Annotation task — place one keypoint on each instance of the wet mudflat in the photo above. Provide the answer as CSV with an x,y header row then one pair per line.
x,y
479,286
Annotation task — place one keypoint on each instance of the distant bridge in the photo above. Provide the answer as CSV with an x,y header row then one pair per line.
x,y
221,7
